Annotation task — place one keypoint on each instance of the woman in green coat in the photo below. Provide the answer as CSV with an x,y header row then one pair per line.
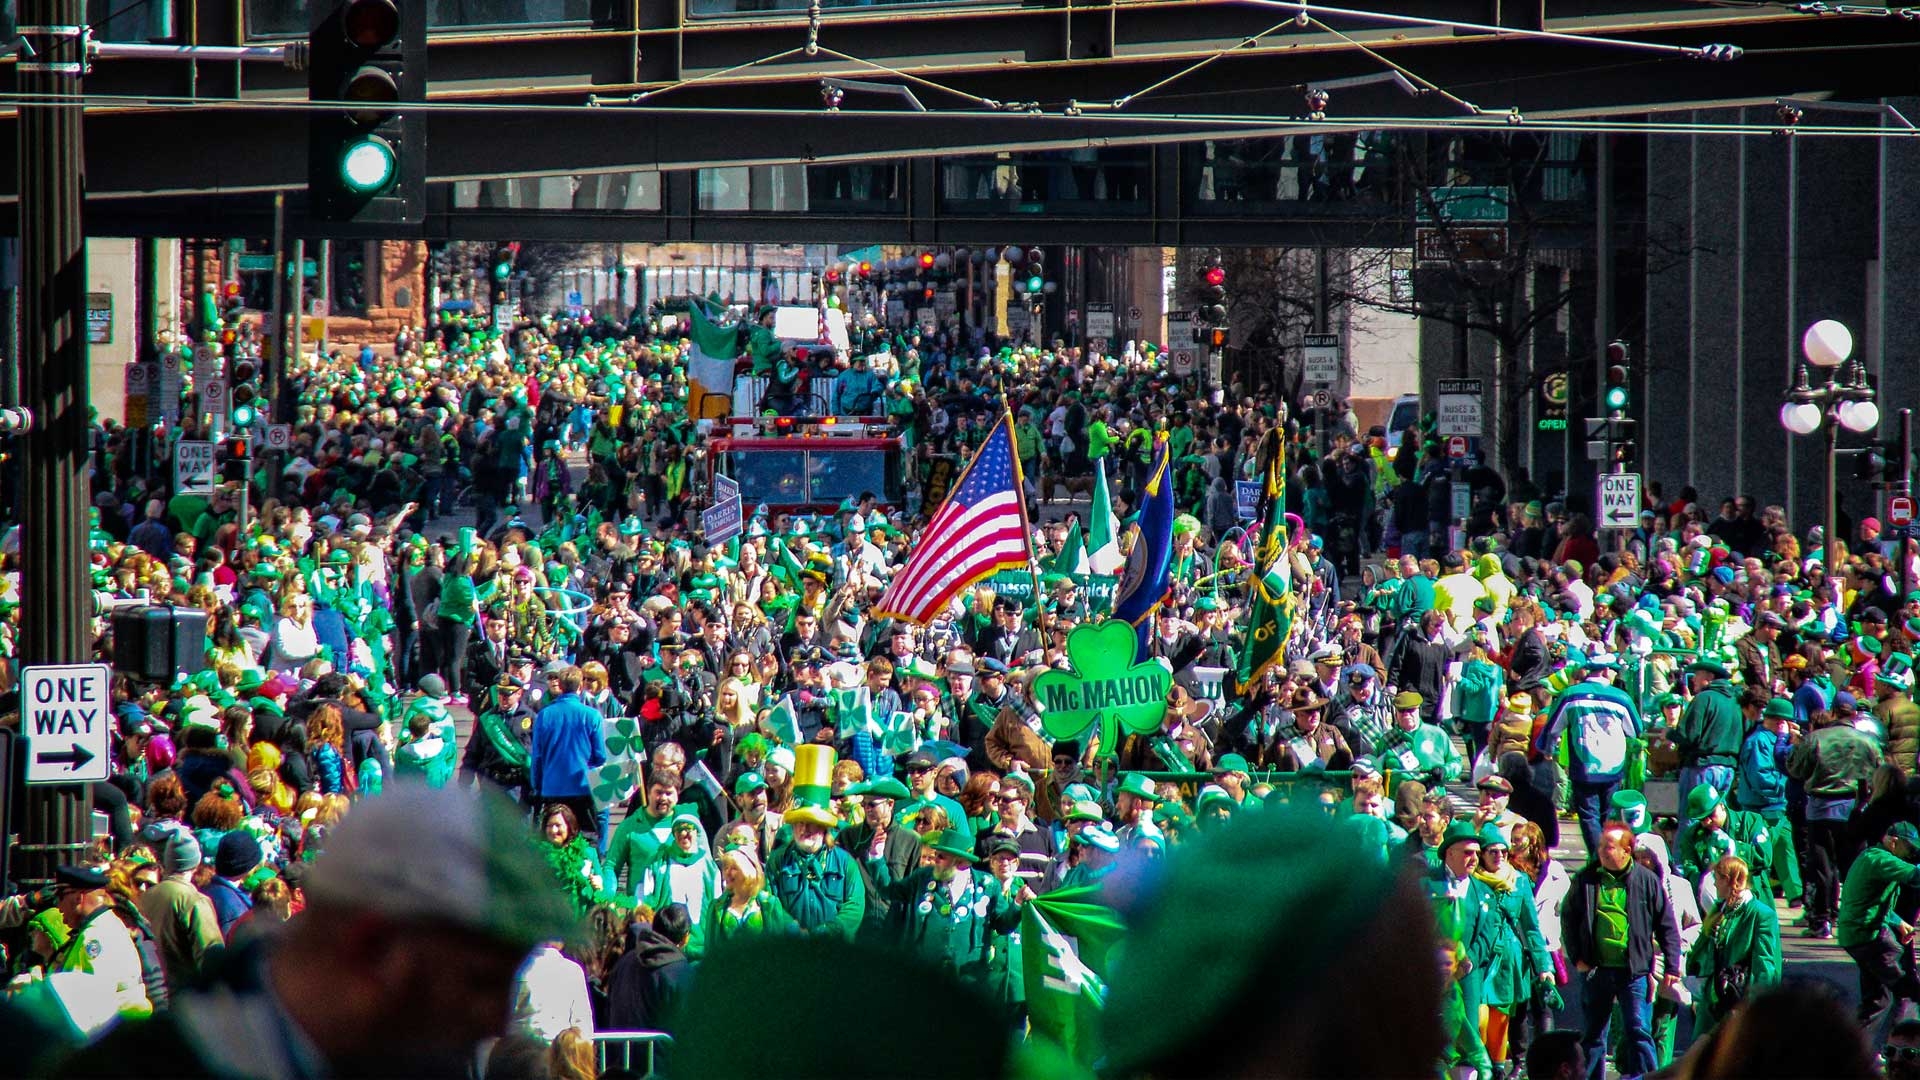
x,y
1738,952
744,908
1520,961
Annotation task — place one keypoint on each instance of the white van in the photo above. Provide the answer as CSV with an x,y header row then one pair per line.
x,y
1404,414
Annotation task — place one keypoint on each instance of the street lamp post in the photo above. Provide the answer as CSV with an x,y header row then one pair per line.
x,y
1846,401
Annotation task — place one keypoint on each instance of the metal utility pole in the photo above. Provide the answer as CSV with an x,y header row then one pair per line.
x,y
57,601
1906,488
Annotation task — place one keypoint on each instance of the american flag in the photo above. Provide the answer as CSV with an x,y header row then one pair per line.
x,y
980,529
826,335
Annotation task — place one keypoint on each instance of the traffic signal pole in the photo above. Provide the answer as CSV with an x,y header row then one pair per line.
x,y
1906,488
55,578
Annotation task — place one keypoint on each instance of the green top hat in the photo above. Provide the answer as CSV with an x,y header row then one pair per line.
x,y
956,841
1138,786
1703,800
1630,809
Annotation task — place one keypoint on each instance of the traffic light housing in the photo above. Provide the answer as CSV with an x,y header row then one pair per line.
x,y
1617,397
500,270
243,393
1213,295
237,468
367,162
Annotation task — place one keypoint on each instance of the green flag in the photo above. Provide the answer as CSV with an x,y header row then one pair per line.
x,y
783,723
1065,938
1270,620
1103,545
1073,552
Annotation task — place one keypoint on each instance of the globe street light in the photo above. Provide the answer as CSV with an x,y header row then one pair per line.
x,y
1846,401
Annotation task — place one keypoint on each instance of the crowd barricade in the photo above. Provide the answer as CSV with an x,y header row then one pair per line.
x,y
618,1049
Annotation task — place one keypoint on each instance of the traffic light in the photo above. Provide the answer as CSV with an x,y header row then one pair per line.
x,y
926,260
1217,337
500,268
238,466
1036,270
244,393
1875,462
1213,295
1616,394
367,161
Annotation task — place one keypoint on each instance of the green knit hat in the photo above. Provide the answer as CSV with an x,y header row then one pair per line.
x,y
1630,809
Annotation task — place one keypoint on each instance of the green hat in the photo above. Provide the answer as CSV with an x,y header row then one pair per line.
x,y
1138,786
1781,709
1667,699
1897,671
1492,837
956,841
1302,890
1213,794
251,679
884,788
747,783
1408,699
1702,800
1084,810
1630,808
1711,666
1231,763
1458,832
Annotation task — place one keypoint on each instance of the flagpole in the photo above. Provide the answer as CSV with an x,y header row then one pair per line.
x,y
1041,620
958,482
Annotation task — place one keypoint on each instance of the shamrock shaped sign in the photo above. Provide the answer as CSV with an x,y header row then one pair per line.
x,y
1105,688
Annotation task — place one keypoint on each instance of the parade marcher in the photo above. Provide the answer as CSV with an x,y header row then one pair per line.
x,y
947,913
1868,928
1598,718
1834,761
817,881
1737,953
1615,920
1710,731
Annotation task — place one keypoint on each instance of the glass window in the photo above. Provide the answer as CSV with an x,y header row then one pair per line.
x,y
1084,180
711,8
1359,168
289,18
636,192
770,476
836,475
799,189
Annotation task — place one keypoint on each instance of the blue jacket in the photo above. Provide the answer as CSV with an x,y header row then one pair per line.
x,y
569,742
1760,779
1601,718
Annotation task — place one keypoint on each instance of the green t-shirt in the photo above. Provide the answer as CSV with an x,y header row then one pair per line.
x,y
1867,898
1610,920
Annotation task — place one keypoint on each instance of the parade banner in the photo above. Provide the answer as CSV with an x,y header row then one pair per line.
x,y
1106,689
1017,585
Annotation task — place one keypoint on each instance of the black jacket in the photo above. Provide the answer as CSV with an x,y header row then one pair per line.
x,y
1650,921
645,985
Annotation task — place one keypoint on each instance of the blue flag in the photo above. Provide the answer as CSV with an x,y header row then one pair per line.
x,y
1143,580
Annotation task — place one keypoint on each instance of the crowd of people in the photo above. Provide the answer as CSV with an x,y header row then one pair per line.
x,y
690,750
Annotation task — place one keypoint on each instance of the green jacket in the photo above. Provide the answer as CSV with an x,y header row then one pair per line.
x,y
720,927
1521,954
823,891
1834,762
957,935
1712,728
1746,935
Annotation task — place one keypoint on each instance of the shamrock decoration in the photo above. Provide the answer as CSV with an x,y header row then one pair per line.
x,y
1105,687
623,738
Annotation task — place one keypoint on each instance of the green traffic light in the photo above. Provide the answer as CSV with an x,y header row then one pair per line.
x,y
368,165
243,415
502,270
1034,284
1616,397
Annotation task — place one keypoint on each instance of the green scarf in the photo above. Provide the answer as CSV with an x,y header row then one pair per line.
x,y
502,740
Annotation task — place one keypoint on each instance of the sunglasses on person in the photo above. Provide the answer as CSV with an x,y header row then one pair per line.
x,y
1900,1053
919,770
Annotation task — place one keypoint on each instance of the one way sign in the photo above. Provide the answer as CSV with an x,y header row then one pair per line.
x,y
67,715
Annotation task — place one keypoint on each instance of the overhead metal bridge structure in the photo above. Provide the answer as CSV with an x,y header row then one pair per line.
x,y
1163,122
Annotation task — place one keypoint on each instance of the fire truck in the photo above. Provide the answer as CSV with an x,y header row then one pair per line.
x,y
807,464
